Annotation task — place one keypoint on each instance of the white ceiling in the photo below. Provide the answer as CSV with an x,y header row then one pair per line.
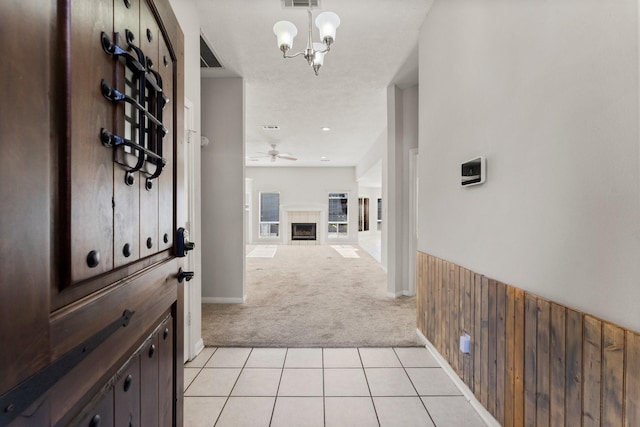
x,y
375,45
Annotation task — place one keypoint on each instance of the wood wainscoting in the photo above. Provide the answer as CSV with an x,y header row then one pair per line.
x,y
532,362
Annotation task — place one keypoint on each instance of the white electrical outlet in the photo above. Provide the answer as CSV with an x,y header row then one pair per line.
x,y
465,343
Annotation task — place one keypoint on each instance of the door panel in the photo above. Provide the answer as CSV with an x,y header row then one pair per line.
x,y
91,163
126,215
25,210
149,189
127,395
67,214
101,415
166,386
149,371
165,181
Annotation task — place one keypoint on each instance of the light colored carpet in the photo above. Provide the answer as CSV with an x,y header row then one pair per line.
x,y
313,296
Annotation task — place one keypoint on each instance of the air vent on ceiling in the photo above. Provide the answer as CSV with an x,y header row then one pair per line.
x,y
270,127
207,58
301,3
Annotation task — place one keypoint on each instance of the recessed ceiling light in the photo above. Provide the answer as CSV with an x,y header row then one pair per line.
x,y
270,127
325,129
324,159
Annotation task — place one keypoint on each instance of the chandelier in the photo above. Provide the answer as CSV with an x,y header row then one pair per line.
x,y
327,23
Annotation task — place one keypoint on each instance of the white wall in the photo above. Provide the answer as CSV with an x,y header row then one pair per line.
x,y
189,21
304,187
223,191
397,228
548,92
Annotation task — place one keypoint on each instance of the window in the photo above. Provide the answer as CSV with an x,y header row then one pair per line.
x,y
363,214
269,214
338,216
379,214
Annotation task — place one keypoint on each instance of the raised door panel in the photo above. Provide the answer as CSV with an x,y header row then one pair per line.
x,y
101,415
165,181
126,189
148,42
25,192
167,361
91,167
127,395
149,370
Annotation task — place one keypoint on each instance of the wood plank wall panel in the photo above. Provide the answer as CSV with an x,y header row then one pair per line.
x,y
574,343
475,336
468,325
542,364
558,365
518,365
492,345
532,362
632,380
484,343
592,365
509,338
500,350
612,374
530,359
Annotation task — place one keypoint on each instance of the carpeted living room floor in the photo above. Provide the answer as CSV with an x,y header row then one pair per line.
x,y
312,296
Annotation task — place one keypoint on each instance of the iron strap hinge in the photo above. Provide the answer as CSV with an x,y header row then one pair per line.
x,y
18,399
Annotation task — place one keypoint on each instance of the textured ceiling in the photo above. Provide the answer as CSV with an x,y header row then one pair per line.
x,y
375,45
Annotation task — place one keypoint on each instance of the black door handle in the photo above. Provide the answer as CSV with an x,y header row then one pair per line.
x,y
185,275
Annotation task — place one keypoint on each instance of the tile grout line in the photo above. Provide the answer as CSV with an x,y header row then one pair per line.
x,y
234,386
275,400
414,387
375,411
324,407
200,368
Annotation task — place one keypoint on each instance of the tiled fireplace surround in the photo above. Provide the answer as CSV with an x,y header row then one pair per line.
x,y
305,216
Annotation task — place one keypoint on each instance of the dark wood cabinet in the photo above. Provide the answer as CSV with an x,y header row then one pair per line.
x,y
91,116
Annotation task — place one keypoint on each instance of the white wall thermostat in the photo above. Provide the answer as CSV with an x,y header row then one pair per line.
x,y
474,171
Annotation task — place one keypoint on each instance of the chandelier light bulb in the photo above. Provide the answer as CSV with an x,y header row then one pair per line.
x,y
286,32
327,23
318,56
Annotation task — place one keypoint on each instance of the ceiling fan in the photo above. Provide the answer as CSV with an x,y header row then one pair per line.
x,y
275,154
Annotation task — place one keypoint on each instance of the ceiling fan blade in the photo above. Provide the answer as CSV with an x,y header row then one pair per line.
x,y
287,157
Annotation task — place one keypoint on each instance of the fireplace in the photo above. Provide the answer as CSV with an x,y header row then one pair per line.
x,y
303,231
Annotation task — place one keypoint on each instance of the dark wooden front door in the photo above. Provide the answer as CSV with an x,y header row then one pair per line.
x,y
91,105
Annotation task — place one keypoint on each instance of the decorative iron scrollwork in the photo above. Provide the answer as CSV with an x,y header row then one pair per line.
x,y
144,118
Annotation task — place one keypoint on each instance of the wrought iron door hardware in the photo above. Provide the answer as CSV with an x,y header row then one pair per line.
x,y
111,140
18,399
116,51
185,275
115,95
149,103
183,244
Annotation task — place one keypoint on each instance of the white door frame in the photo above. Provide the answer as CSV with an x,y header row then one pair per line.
x,y
193,343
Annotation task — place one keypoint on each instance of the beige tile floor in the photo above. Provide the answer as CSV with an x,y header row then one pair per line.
x,y
322,387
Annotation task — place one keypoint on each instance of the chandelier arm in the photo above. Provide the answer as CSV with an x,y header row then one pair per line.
x,y
294,55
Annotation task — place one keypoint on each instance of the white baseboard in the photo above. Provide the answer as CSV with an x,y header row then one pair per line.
x,y
199,347
219,300
468,394
399,294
